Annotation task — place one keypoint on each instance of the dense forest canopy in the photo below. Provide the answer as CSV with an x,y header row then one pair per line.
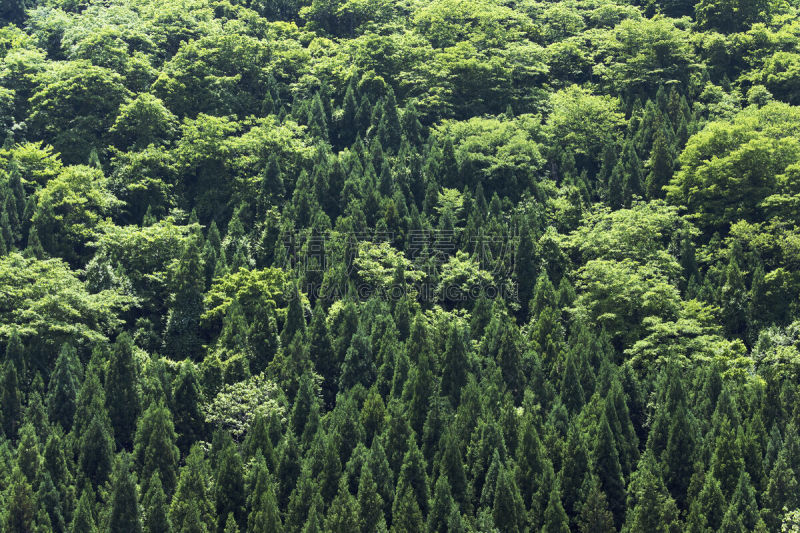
x,y
399,266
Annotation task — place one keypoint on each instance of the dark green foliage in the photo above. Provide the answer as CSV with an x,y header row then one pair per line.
x,y
96,449
10,400
155,508
186,395
122,397
62,395
608,470
229,494
154,449
124,500
182,333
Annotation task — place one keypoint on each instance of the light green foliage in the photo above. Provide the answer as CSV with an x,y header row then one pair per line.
x,y
69,210
731,169
236,406
46,301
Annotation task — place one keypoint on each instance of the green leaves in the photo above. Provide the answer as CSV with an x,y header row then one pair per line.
x,y
45,301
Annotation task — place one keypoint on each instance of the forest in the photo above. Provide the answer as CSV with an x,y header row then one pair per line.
x,y
399,266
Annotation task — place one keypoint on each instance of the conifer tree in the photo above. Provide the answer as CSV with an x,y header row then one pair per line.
x,y
508,510
649,504
413,474
49,501
28,456
406,515
10,400
122,397
229,488
191,509
83,518
594,515
343,514
20,505
441,507
322,355
781,492
264,516
420,389
187,397
378,465
359,364
555,518
608,470
661,166
124,500
742,513
63,390
154,450
574,471
454,365
182,334
155,508
726,461
303,500
295,318
96,452
230,525
370,503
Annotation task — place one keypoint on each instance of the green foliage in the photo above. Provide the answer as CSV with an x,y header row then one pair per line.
x,y
551,250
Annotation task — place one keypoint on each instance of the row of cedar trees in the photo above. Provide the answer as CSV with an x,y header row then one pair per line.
x,y
420,443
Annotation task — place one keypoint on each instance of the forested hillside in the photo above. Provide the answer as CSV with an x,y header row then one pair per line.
x,y
359,266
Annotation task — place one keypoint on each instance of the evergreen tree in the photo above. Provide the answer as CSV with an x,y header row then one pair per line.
x,y
230,525
322,355
441,507
661,166
190,509
406,515
187,397
124,500
229,488
781,492
420,388
414,475
370,503
608,470
83,518
96,452
574,471
454,365
154,450
508,510
264,516
555,518
63,390
343,514
295,318
49,501
742,513
303,500
10,400
378,465
20,505
28,457
122,398
359,364
595,516
649,504
182,334
155,508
